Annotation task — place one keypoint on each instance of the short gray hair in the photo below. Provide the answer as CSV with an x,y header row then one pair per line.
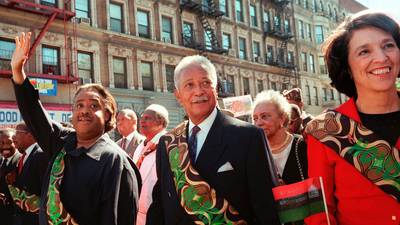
x,y
275,98
196,60
129,113
160,112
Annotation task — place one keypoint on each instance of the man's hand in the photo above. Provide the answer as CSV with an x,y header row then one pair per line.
x,y
20,55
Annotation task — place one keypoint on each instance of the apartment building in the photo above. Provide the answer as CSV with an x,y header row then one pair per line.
x,y
132,47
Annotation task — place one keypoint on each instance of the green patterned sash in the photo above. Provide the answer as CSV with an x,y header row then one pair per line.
x,y
56,213
373,157
27,202
196,196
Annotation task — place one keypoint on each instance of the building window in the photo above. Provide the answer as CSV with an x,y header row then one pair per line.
x,y
116,17
253,16
169,73
85,66
270,54
230,82
188,34
166,34
284,86
332,95
51,60
309,33
266,21
207,39
340,98
239,11
260,86
287,26
312,64
335,17
329,11
314,6
277,23
290,58
281,55
246,86
256,50
304,60
308,95
82,8
273,86
6,50
322,67
319,34
305,4
325,94
321,6
223,7
226,41
301,29
143,24
242,48
146,69
51,3
119,68
316,96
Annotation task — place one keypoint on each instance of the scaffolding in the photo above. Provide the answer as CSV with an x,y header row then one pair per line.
x,y
51,12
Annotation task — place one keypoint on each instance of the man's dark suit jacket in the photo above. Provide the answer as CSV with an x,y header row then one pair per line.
x,y
7,208
247,187
30,180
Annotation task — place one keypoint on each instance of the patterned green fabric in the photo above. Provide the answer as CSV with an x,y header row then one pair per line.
x,y
196,196
27,202
56,213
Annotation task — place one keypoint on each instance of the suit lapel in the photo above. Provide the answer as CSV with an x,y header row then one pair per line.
x,y
29,160
213,146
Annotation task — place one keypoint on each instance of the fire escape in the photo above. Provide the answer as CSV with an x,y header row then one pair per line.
x,y
49,10
204,9
282,31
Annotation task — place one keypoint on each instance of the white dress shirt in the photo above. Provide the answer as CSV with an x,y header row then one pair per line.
x,y
205,127
28,152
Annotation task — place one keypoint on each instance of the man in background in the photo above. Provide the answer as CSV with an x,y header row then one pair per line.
x,y
10,161
153,123
294,96
127,127
29,175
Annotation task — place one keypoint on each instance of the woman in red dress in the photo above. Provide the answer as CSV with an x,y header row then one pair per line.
x,y
355,147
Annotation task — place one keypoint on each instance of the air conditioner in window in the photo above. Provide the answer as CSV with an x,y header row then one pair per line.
x,y
83,20
259,59
166,40
83,80
232,52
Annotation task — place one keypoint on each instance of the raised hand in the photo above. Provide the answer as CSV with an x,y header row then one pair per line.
x,y
20,55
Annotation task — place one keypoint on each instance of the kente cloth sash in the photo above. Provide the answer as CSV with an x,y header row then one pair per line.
x,y
24,200
56,213
196,196
372,156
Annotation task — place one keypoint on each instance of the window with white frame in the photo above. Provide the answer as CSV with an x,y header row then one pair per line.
x,y
116,22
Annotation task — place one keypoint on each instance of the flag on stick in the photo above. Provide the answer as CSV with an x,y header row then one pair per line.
x,y
300,200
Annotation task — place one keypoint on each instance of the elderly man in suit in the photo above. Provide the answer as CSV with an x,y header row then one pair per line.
x,y
153,123
127,127
212,169
29,175
10,161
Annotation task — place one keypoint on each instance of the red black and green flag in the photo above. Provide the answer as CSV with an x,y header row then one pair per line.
x,y
300,200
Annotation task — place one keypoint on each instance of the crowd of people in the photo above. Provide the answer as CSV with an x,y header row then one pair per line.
x,y
212,168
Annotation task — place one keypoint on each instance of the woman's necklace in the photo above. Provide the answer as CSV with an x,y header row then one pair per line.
x,y
284,144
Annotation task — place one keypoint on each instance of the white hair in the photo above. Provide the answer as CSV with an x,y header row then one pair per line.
x,y
195,60
160,111
275,98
